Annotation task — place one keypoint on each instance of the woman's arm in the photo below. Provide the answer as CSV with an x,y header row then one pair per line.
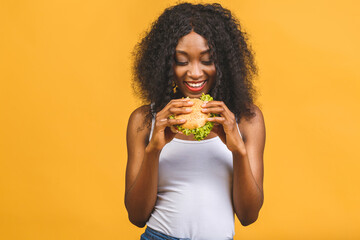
x,y
247,157
141,170
143,159
248,170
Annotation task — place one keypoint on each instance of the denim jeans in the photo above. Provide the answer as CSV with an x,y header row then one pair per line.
x,y
151,234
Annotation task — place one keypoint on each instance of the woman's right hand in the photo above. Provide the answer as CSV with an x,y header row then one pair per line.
x,y
162,134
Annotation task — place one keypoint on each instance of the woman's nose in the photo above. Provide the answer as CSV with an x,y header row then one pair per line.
x,y
195,71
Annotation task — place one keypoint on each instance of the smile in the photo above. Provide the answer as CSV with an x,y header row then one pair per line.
x,y
195,86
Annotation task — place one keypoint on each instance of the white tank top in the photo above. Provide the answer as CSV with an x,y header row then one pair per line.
x,y
194,190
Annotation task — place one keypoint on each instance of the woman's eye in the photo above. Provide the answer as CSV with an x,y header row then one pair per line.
x,y
207,62
180,63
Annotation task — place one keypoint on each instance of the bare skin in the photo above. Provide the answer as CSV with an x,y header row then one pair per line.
x,y
143,156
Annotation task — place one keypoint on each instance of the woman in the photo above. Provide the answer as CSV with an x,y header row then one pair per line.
x,y
181,188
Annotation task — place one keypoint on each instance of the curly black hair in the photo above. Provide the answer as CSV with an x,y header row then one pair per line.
x,y
230,51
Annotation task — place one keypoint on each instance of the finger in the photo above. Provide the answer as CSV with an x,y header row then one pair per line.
x,y
173,129
175,102
173,105
226,124
218,105
220,120
211,103
213,110
169,134
162,123
178,108
177,111
171,122
179,104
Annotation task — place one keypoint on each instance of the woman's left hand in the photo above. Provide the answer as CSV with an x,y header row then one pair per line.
x,y
225,125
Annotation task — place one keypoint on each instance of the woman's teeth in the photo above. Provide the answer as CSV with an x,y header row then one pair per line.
x,y
195,85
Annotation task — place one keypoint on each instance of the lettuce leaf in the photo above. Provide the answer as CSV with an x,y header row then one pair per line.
x,y
206,97
199,133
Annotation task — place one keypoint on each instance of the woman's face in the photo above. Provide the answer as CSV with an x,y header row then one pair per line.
x,y
194,68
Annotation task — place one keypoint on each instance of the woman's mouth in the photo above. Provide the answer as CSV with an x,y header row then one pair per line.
x,y
195,87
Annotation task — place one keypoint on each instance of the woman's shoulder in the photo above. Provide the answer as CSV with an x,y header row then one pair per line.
x,y
253,124
140,112
139,121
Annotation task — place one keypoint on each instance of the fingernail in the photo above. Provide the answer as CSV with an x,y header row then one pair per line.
x,y
188,109
190,102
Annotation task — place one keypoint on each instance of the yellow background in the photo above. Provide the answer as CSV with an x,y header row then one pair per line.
x,y
65,99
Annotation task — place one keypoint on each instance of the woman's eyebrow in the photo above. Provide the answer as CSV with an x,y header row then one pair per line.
x,y
206,51
182,52
185,53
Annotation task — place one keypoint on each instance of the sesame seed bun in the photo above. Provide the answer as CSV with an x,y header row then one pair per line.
x,y
196,118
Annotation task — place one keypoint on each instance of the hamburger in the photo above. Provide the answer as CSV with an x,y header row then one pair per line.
x,y
196,123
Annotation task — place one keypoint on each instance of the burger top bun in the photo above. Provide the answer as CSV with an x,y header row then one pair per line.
x,y
195,118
